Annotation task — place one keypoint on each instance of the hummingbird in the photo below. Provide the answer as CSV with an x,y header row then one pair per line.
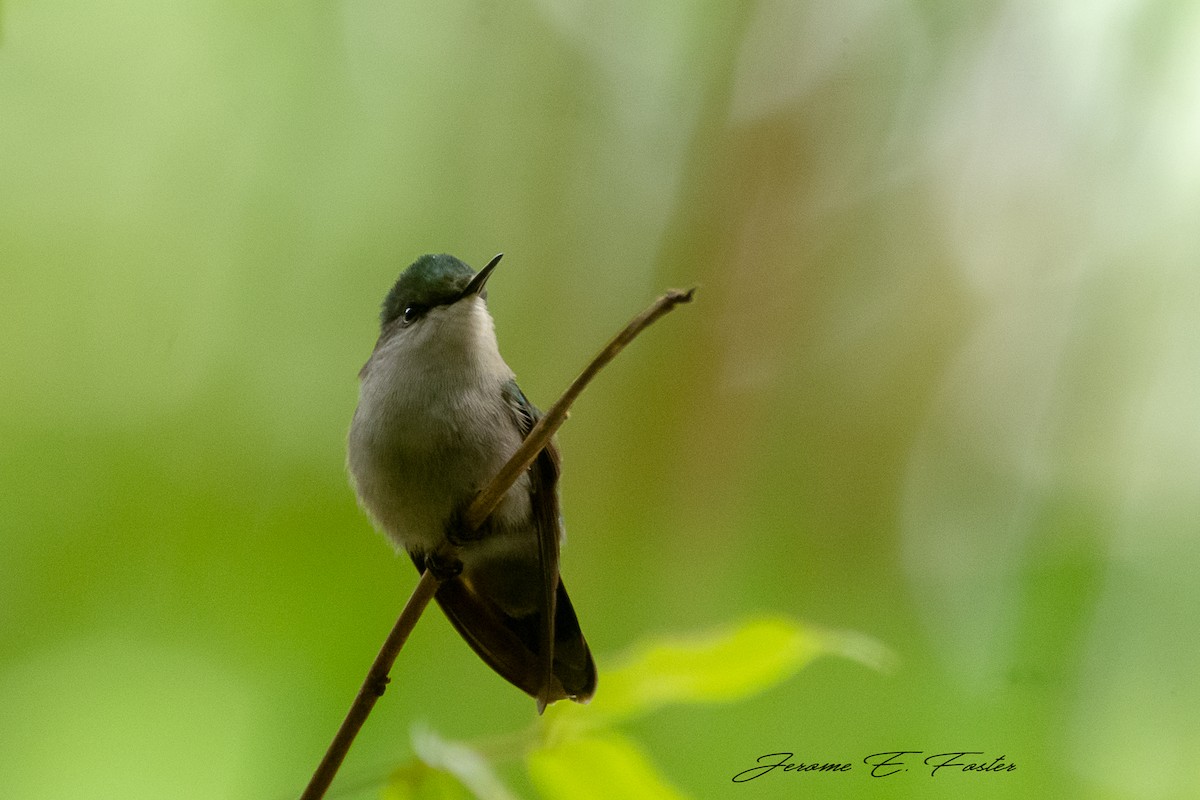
x,y
439,413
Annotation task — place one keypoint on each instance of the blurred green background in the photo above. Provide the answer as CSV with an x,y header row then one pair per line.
x,y
939,384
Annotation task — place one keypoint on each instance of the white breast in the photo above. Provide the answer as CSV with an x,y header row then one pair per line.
x,y
432,426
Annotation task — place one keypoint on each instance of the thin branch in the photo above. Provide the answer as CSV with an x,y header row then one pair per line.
x,y
483,505
372,688
549,423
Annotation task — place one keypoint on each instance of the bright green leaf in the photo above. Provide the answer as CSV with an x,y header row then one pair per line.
x,y
713,667
418,781
598,768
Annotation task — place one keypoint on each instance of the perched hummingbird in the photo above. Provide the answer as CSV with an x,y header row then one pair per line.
x,y
439,413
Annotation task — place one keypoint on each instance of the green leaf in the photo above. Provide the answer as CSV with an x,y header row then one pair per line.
x,y
711,668
417,781
598,768
465,763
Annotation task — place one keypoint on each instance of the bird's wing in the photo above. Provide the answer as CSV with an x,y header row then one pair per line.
x,y
543,497
567,665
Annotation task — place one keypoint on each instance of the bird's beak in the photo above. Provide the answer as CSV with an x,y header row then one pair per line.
x,y
477,283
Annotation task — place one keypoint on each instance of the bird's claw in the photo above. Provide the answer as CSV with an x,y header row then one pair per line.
x,y
443,566
457,531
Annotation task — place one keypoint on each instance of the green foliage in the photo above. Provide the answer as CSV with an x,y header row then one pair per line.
x,y
574,752
597,768
419,781
457,763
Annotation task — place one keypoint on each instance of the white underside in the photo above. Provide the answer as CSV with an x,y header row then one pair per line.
x,y
432,428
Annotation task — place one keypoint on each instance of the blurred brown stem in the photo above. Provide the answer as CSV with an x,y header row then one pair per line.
x,y
481,507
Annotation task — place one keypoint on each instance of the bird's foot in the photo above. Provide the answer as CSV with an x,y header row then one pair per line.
x,y
458,533
443,566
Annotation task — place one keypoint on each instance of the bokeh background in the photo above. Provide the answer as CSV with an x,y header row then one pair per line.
x,y
939,385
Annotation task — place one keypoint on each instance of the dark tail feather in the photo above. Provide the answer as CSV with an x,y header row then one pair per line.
x,y
573,664
511,645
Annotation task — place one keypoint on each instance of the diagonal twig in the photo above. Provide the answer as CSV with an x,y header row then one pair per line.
x,y
372,688
486,501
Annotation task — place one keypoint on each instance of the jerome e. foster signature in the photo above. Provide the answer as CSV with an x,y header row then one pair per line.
x,y
883,765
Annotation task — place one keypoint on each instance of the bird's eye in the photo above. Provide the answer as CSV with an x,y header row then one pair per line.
x,y
411,314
